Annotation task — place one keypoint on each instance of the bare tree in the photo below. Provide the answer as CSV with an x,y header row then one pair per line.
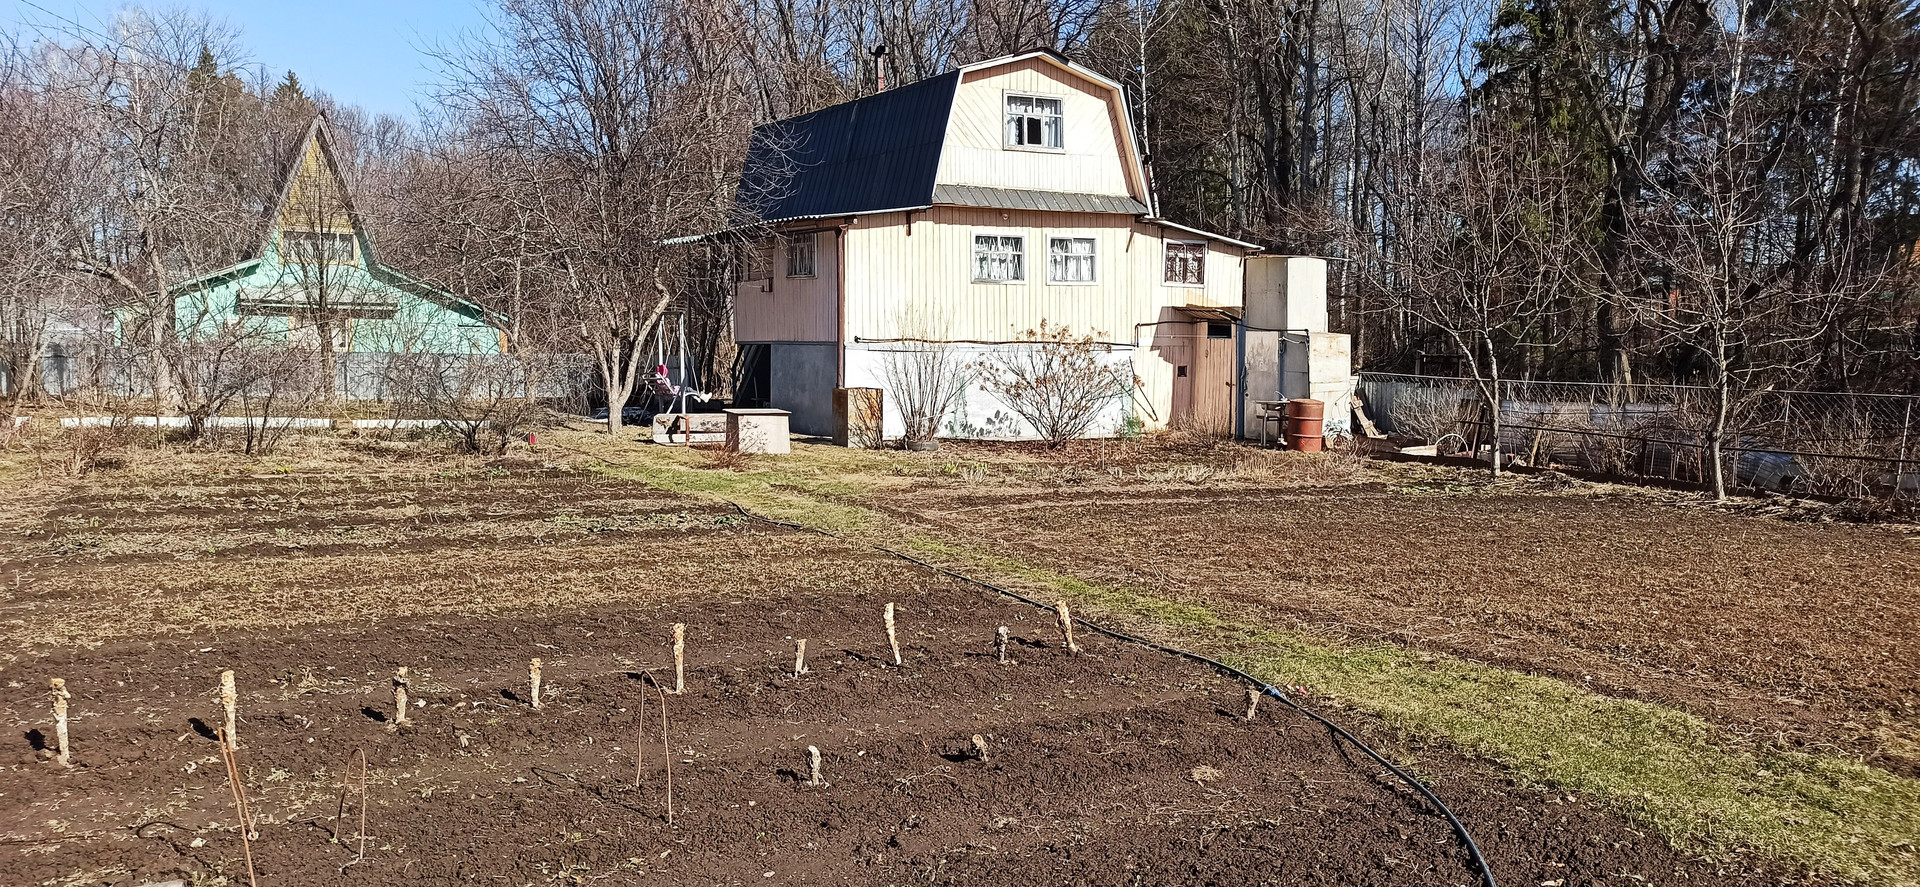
x,y
1485,247
626,120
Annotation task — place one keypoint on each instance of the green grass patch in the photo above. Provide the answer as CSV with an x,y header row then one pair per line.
x,y
1655,764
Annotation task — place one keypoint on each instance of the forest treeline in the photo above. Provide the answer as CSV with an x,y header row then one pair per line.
x,y
1701,191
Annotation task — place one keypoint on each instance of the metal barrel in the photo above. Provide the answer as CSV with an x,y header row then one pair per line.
x,y
1306,421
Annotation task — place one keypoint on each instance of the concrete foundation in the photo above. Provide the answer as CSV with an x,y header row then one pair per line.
x,y
802,377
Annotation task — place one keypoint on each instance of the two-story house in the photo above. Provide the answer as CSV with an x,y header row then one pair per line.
x,y
968,208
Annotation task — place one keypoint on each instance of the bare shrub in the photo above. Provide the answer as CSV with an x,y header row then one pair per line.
x,y
925,375
1430,413
1858,464
486,399
1056,381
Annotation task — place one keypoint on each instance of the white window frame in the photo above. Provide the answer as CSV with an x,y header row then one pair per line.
x,y
1006,98
973,255
811,241
288,249
1204,250
1073,235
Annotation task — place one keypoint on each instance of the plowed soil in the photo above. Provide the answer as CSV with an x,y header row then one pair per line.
x,y
1118,766
1796,633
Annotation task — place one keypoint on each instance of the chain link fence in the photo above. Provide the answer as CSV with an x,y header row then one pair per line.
x,y
1800,442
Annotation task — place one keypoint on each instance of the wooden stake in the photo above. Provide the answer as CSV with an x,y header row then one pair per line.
x,y
813,763
533,673
666,748
399,698
363,807
231,760
60,696
1066,626
640,739
1253,701
679,658
230,700
800,658
893,639
1000,643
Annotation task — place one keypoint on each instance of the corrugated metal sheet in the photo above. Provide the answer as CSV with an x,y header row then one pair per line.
x,y
876,153
1057,201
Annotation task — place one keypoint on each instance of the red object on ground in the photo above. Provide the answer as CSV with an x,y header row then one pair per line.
x,y
532,439
1306,420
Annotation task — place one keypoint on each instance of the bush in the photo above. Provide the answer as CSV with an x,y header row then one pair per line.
x,y
1055,381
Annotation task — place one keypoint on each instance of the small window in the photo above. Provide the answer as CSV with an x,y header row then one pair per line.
x,y
316,247
1033,122
1219,330
800,255
1070,260
999,258
1186,263
760,260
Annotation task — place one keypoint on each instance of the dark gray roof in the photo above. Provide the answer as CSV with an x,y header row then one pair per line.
x,y
1061,201
876,153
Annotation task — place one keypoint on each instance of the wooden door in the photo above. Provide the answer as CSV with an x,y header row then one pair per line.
x,y
1203,378
1213,378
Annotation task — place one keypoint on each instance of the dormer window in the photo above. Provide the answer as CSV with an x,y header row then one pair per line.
x,y
1033,122
317,247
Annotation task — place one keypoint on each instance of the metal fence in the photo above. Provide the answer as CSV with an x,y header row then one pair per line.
x,y
1810,442
567,380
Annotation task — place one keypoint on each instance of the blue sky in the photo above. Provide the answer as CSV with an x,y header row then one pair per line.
x,y
364,53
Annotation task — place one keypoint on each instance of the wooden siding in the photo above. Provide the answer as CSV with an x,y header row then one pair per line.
x,y
892,274
1091,159
931,271
792,309
316,201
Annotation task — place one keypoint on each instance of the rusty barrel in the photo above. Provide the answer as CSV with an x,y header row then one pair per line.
x,y
1306,420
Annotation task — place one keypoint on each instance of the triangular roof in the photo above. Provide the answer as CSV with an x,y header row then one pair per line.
x,y
319,135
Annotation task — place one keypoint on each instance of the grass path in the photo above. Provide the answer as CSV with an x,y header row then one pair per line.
x,y
1658,765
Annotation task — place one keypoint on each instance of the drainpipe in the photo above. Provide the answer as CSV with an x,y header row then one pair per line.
x,y
840,303
1240,378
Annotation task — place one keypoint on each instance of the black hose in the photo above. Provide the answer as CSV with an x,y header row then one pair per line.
x,y
1459,828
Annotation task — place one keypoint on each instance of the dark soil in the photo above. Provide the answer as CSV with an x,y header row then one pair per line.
x,y
1790,632
1120,766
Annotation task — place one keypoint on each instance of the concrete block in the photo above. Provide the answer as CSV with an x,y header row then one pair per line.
x,y
758,431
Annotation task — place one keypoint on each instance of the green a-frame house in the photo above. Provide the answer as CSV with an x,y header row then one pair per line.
x,y
314,279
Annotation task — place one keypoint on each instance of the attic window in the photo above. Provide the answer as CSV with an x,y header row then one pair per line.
x,y
1033,122
317,247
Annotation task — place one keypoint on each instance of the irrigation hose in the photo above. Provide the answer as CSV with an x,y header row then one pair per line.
x,y
1459,828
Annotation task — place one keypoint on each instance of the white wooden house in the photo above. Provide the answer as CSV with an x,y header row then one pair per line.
x,y
969,208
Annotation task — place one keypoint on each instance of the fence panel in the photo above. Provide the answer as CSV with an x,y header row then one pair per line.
x,y
1824,443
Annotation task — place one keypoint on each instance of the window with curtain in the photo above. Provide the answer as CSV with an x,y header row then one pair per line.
x,y
1033,122
800,255
1186,263
999,258
1070,260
